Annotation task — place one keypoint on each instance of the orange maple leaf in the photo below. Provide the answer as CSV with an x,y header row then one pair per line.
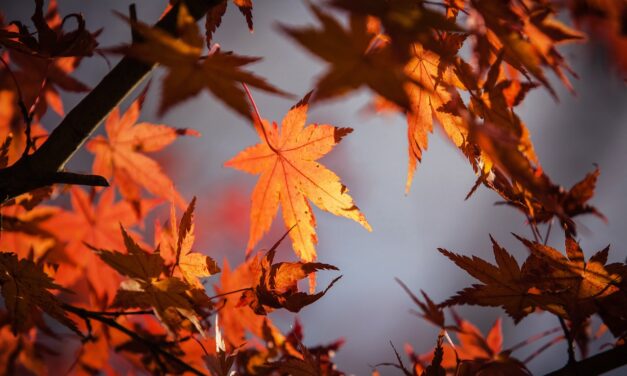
x,y
121,154
286,161
428,93
21,231
98,225
175,247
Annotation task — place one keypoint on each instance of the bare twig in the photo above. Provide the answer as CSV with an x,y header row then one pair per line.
x,y
120,313
569,340
155,348
230,292
543,348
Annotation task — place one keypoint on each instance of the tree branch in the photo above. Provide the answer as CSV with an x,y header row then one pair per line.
x,y
155,348
595,365
36,170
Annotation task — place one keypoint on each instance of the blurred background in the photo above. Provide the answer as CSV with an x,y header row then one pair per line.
x,y
367,307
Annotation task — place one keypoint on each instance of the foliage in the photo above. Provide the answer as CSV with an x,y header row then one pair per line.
x,y
84,270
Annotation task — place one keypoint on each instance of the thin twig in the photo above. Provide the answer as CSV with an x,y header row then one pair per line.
x,y
229,293
153,347
533,339
30,143
548,232
569,340
543,348
121,313
21,104
536,236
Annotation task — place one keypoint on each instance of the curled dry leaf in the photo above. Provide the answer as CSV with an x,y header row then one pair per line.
x,y
52,40
277,285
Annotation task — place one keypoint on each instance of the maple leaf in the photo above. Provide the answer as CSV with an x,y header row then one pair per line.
x,y
122,154
430,311
12,123
213,19
175,244
353,61
291,356
524,185
41,81
97,224
493,106
188,72
40,77
528,35
4,151
475,353
286,161
405,21
22,231
246,7
52,40
21,350
215,14
506,284
428,95
239,320
26,291
574,288
604,19
171,298
275,285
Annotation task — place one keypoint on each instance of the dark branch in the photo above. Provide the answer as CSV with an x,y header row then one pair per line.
x,y
597,364
153,347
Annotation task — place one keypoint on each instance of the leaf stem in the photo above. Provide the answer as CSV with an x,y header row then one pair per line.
x,y
543,348
230,293
533,339
258,118
569,340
